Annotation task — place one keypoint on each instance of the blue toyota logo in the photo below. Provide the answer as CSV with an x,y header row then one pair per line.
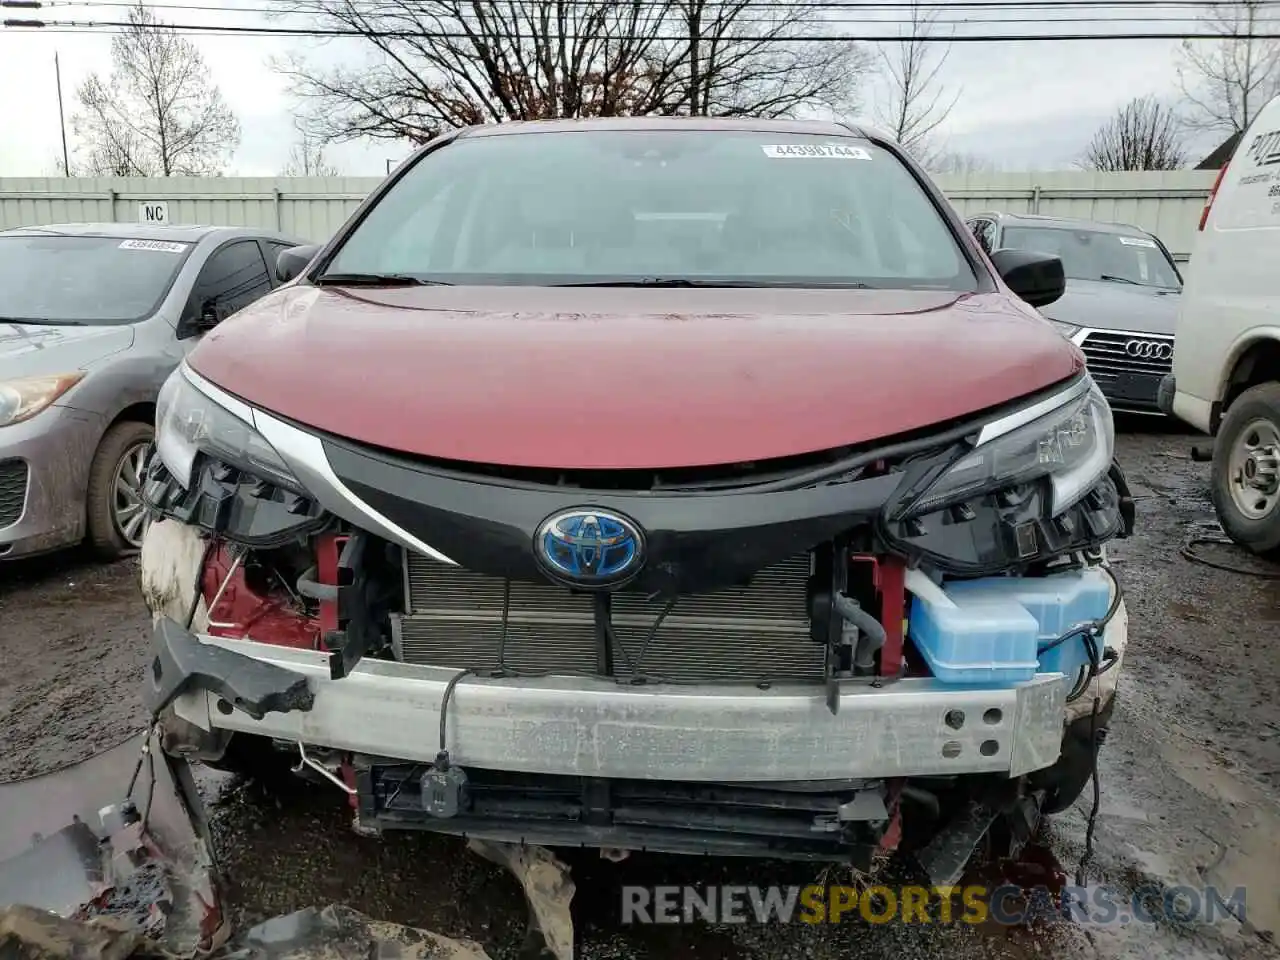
x,y
590,547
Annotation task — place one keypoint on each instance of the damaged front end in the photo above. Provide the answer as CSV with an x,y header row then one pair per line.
x,y
794,659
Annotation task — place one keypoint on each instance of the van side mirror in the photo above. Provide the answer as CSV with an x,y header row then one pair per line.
x,y
1037,278
294,260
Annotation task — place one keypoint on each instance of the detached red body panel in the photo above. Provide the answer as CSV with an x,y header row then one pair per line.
x,y
623,378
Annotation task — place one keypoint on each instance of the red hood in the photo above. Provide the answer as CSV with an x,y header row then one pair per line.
x,y
627,378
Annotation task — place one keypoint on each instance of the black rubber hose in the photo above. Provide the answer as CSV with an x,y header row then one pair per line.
x,y
205,554
873,633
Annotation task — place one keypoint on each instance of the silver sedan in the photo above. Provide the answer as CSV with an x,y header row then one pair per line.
x,y
93,317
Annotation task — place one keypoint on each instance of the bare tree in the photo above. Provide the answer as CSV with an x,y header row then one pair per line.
x,y
306,157
743,58
437,64
157,114
960,162
1227,81
1143,135
917,103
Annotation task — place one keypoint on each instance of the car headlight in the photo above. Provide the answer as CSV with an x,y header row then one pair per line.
x,y
1072,446
1068,330
189,422
23,398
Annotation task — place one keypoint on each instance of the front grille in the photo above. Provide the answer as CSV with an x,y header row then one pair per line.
x,y
1108,355
840,821
13,491
753,633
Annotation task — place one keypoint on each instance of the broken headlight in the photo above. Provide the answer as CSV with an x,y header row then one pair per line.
x,y
190,422
1071,446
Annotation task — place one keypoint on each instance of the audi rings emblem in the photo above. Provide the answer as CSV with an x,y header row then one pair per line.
x,y
1149,349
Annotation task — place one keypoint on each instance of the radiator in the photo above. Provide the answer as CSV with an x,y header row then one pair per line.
x,y
753,633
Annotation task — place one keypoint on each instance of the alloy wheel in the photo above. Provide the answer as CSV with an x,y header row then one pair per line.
x,y
127,509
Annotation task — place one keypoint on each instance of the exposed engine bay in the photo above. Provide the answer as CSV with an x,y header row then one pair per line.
x,y
719,661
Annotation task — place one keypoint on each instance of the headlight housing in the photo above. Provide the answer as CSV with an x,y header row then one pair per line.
x,y
1072,446
23,398
190,422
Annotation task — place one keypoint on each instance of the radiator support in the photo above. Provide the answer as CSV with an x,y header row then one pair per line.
x,y
757,633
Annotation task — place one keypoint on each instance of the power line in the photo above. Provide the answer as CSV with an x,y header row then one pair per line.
x,y
376,8
115,26
908,5
985,21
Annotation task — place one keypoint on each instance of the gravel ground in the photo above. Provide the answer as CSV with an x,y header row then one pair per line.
x,y
1189,776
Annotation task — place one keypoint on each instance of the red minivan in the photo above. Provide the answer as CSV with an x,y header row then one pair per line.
x,y
669,484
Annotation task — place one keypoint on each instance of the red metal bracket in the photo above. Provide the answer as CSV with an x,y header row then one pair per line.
x,y
328,550
889,576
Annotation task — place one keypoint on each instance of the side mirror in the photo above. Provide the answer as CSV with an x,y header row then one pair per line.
x,y
198,318
1037,278
293,261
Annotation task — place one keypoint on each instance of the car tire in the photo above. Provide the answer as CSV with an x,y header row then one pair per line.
x,y
1251,520
119,450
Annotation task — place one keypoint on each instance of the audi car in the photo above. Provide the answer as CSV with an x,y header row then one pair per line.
x,y
678,485
1121,301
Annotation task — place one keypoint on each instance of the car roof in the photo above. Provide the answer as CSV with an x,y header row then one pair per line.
x,y
744,124
1061,223
145,231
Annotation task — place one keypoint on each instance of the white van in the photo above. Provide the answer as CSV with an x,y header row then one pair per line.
x,y
1226,360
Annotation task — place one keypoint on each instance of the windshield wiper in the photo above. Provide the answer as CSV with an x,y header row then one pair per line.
x,y
1107,276
690,282
375,280
40,322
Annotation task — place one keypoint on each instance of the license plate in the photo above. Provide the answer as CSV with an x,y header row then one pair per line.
x,y
1135,386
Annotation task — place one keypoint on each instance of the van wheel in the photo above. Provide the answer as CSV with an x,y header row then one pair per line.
x,y
115,514
1246,469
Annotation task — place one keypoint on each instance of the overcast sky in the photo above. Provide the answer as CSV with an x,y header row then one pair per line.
x,y
1026,106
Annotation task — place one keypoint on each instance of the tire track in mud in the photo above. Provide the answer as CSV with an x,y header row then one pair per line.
x,y
1188,775
73,642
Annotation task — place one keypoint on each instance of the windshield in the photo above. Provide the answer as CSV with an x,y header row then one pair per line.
x,y
699,206
1096,255
91,280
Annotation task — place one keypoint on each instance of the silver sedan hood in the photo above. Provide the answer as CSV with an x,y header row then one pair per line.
x,y
33,350
1108,305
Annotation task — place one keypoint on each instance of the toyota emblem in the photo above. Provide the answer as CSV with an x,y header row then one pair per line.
x,y
1149,349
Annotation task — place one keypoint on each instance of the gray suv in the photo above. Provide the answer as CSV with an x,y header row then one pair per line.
x,y
93,318
1121,301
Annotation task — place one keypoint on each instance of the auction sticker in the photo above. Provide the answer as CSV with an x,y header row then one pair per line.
x,y
162,246
814,151
1138,242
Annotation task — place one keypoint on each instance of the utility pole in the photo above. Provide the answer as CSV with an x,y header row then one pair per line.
x,y
62,120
